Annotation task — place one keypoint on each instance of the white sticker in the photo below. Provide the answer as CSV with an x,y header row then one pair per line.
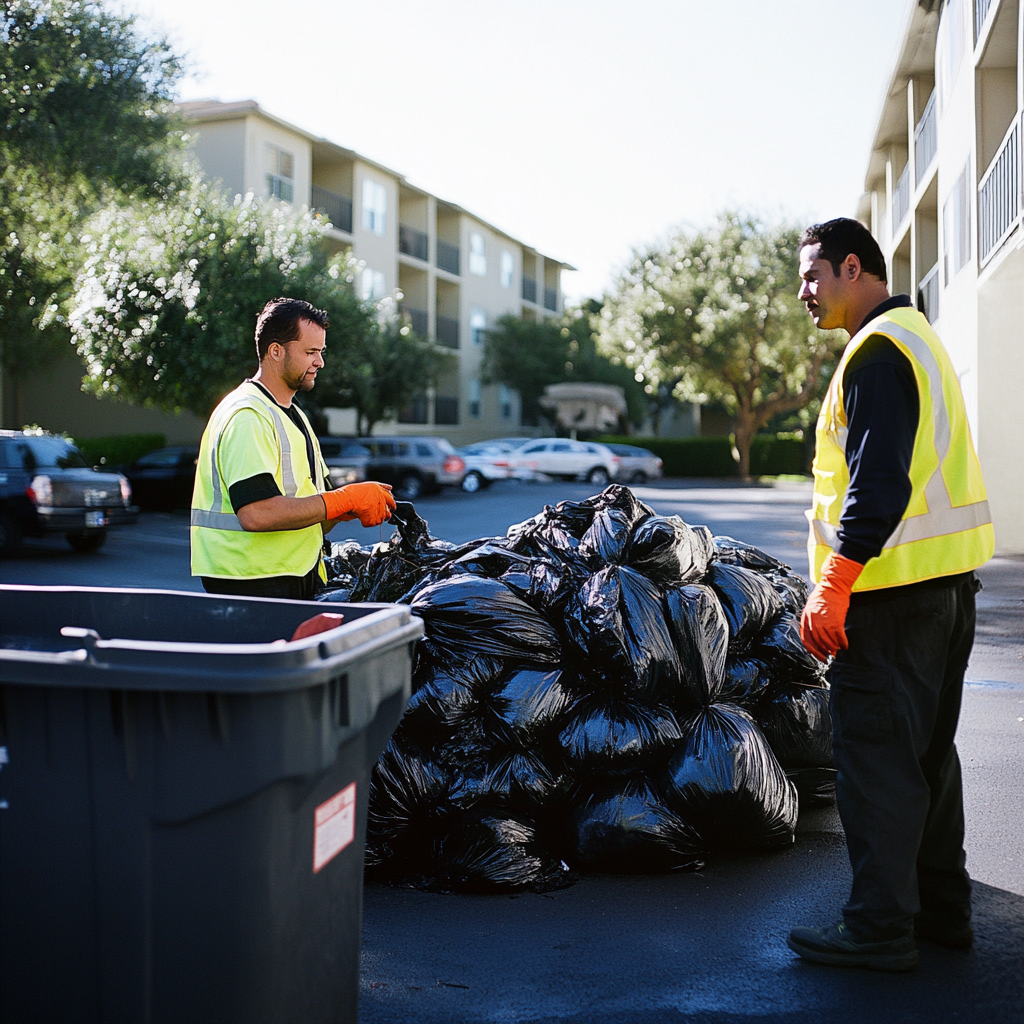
x,y
335,826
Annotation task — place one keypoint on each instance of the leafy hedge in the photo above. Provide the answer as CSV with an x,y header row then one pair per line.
x,y
119,450
712,456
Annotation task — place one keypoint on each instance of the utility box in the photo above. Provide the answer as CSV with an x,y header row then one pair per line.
x,y
183,795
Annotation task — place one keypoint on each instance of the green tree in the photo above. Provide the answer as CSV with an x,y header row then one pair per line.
x,y
528,355
715,313
85,113
381,368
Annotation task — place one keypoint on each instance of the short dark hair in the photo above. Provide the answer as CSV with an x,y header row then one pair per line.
x,y
279,321
842,236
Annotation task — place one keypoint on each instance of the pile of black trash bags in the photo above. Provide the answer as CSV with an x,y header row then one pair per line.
x,y
601,689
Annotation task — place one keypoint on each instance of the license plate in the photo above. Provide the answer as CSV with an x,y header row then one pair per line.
x,y
95,519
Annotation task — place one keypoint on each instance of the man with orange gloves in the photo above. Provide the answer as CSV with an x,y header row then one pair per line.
x,y
898,523
263,501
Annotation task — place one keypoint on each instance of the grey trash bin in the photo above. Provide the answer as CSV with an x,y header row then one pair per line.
x,y
183,801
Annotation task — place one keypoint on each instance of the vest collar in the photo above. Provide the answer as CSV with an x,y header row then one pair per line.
x,y
893,302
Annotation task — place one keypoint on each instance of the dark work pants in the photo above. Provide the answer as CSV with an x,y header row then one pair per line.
x,y
294,588
895,705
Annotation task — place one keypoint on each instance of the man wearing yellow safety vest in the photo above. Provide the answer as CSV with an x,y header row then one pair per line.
x,y
263,500
899,522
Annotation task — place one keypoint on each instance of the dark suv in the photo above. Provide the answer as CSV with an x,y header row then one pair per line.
x,y
46,486
412,465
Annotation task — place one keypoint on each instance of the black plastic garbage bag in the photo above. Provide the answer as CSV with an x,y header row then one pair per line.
x,y
617,736
521,781
492,851
748,600
735,552
544,585
665,550
790,661
816,787
746,680
616,624
797,723
387,576
340,593
725,780
701,635
605,541
475,615
626,827
620,498
532,702
790,587
411,810
347,557
490,559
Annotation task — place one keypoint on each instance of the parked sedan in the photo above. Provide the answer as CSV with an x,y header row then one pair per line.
x,y
571,460
164,479
637,464
486,462
345,458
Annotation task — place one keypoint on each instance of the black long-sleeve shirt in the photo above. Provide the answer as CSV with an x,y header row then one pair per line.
x,y
882,413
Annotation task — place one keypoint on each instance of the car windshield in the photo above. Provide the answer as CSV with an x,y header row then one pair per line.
x,y
163,457
52,453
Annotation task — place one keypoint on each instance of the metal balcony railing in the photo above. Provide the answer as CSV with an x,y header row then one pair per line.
x,y
412,242
999,194
901,201
981,9
550,298
337,209
448,256
417,320
926,140
446,411
529,289
447,332
928,294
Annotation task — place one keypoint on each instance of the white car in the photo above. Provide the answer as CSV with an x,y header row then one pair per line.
x,y
571,460
486,461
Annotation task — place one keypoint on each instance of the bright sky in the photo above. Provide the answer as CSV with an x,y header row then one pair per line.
x,y
581,127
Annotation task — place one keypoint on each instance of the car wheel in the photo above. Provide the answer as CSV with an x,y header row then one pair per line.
x,y
10,536
87,541
639,477
409,489
599,476
473,482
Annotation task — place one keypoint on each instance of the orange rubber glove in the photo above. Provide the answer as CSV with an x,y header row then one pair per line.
x,y
371,503
823,623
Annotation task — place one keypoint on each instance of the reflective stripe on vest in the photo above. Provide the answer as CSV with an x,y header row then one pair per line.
x,y
942,518
213,518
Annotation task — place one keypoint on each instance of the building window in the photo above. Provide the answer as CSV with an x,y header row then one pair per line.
x,y
951,45
477,254
508,268
375,207
474,398
280,173
505,401
372,285
956,225
477,326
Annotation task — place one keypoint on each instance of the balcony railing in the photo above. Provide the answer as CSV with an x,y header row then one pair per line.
x,y
412,242
928,294
926,139
901,201
447,332
550,298
448,256
446,411
337,209
981,9
417,320
999,194
529,289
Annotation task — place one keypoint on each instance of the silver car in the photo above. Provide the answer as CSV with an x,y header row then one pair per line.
x,y
571,460
637,464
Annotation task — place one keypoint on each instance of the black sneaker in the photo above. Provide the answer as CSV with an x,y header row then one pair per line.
x,y
952,936
835,947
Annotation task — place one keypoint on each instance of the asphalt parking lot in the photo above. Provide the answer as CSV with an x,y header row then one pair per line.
x,y
702,947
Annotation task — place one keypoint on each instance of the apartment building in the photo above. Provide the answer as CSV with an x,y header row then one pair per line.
x,y
945,199
456,273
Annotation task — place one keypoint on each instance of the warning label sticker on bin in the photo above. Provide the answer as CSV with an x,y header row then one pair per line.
x,y
335,826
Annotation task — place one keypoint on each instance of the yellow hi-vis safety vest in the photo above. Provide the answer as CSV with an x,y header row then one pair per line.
x,y
221,546
946,528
